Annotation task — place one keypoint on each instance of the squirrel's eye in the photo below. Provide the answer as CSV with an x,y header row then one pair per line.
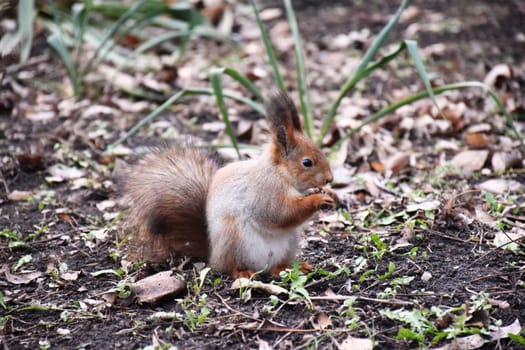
x,y
307,163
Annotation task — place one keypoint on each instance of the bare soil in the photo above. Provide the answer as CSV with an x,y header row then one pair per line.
x,y
85,312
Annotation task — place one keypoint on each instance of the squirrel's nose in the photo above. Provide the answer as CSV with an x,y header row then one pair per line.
x,y
329,178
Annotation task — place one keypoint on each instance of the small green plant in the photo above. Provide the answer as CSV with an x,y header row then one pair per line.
x,y
24,260
422,323
349,314
15,241
199,281
23,36
40,230
71,31
296,280
2,302
195,312
43,199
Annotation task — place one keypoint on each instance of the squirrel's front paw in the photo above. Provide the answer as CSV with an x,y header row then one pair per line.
x,y
327,202
331,193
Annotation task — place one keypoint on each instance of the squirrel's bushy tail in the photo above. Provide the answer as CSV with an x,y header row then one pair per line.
x,y
166,193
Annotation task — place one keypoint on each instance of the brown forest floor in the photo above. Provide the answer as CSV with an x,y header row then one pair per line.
x,y
404,181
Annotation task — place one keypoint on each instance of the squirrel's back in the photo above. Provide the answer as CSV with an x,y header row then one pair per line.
x,y
166,192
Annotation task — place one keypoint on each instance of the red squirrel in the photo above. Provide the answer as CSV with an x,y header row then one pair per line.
x,y
244,217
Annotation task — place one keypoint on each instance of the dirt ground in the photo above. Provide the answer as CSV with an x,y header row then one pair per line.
x,y
65,279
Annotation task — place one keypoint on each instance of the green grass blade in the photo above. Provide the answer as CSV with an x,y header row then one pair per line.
x,y
235,75
302,83
381,37
216,83
80,20
436,91
183,93
113,29
157,40
192,23
414,54
25,13
269,51
8,42
327,122
370,53
58,45
178,25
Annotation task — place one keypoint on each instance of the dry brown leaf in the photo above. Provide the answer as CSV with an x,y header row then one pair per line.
x,y
61,171
98,110
244,129
263,345
321,321
352,343
342,176
106,204
407,237
270,13
21,278
505,160
69,275
117,78
501,186
63,331
154,288
40,116
500,71
378,166
464,343
470,161
397,162
426,276
16,196
267,287
503,332
502,304
409,13
508,239
454,113
477,140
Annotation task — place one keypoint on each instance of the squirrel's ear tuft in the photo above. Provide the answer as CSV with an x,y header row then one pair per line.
x,y
281,112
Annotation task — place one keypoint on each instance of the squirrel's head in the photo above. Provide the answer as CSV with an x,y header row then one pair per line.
x,y
297,158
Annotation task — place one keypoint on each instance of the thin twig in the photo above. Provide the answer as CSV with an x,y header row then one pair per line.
x,y
2,178
361,298
517,240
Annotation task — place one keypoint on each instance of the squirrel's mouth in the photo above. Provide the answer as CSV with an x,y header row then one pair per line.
x,y
312,190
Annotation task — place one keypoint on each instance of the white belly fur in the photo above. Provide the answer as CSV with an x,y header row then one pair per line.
x,y
263,249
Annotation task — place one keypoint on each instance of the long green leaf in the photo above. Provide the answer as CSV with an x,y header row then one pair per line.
x,y
8,42
216,83
327,122
370,53
110,32
381,37
235,75
26,11
56,42
438,90
302,83
80,19
269,51
186,92
157,40
414,54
